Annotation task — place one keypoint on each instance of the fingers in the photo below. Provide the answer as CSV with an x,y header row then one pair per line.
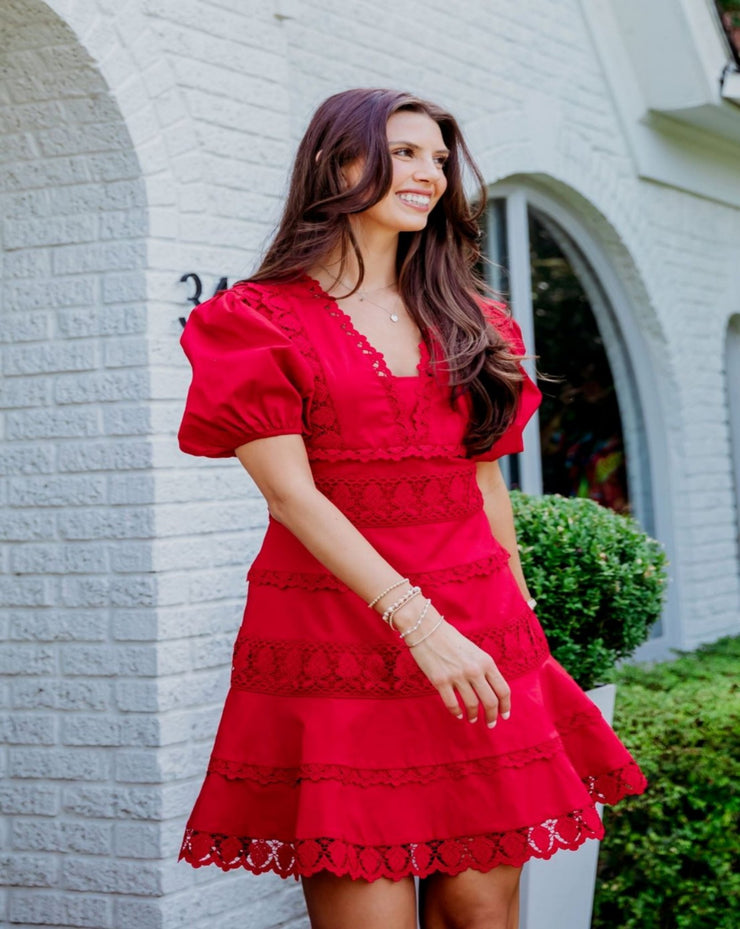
x,y
450,700
502,690
487,691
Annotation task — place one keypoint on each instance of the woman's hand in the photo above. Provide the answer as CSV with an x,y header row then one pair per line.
x,y
460,671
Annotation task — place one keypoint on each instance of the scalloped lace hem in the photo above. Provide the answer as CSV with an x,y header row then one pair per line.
x,y
304,857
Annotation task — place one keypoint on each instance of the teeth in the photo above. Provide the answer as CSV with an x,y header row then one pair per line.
x,y
419,199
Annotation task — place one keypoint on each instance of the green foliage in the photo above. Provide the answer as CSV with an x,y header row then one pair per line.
x,y
597,577
671,857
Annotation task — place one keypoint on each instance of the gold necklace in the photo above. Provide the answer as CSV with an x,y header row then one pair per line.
x,y
362,295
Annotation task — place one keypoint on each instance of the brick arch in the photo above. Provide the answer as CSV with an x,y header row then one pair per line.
x,y
76,520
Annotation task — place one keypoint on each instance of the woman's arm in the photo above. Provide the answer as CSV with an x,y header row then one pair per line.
x,y
497,506
458,669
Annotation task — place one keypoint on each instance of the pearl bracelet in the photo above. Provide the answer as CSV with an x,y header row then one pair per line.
x,y
409,595
404,580
419,621
427,634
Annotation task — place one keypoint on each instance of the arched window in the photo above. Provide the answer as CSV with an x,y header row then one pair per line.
x,y
590,437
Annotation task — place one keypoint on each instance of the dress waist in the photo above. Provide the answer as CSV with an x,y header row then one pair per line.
x,y
411,493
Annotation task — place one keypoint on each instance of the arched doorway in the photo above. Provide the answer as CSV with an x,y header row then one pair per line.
x,y
599,427
75,567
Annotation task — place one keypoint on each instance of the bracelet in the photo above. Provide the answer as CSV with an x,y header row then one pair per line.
x,y
409,595
419,621
427,634
413,594
404,580
531,603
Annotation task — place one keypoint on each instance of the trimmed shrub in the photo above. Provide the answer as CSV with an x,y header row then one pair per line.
x,y
597,577
671,857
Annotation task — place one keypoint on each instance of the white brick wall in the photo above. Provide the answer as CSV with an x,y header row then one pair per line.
x,y
152,137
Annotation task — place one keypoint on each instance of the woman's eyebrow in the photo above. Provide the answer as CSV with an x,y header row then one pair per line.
x,y
439,151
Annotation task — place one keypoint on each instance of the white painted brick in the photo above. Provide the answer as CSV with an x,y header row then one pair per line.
x,y
30,870
126,287
29,459
137,914
91,321
139,696
105,456
137,767
24,591
56,626
120,523
134,625
58,764
27,729
72,558
137,840
126,421
35,800
107,661
130,557
139,730
39,359
110,876
115,802
27,659
52,424
18,392
30,328
60,909
62,836
25,526
103,387
60,694
57,491
134,489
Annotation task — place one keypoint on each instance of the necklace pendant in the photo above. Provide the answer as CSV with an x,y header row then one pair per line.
x,y
394,318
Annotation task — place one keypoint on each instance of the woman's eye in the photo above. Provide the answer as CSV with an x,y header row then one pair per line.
x,y
441,160
402,151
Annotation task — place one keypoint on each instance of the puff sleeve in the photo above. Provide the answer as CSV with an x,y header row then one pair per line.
x,y
249,380
511,441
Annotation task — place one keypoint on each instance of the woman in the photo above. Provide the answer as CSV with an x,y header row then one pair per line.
x,y
369,390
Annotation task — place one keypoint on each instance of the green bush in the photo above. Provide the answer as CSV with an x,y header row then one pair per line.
x,y
671,857
597,577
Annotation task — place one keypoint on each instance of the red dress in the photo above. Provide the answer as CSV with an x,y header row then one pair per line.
x,y
334,752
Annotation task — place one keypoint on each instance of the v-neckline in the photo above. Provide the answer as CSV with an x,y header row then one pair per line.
x,y
374,356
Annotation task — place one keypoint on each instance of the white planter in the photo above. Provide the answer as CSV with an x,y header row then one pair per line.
x,y
559,893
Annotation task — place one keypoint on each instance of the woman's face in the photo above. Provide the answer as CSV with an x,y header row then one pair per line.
x,y
418,156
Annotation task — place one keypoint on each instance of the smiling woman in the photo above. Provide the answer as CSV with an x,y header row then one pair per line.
x,y
369,386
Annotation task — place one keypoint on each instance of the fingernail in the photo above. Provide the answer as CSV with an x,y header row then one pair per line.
x,y
474,719
491,725
506,715
458,715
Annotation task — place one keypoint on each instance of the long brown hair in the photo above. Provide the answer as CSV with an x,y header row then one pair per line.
x,y
437,279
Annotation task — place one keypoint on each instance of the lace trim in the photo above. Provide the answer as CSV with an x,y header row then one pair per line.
x,y
303,857
405,501
388,453
306,580
266,775
614,785
289,667
323,416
